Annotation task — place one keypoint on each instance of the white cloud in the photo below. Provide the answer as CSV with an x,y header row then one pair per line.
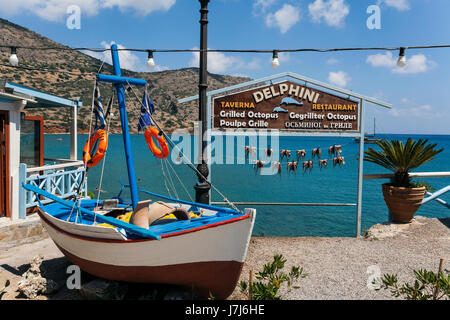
x,y
56,10
425,111
51,10
218,62
141,7
260,6
382,60
333,12
332,61
418,63
339,78
285,18
401,5
128,60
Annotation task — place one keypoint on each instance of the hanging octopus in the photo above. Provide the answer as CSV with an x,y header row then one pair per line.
x,y
307,165
317,152
249,151
268,153
259,165
292,166
276,165
334,150
301,154
338,160
323,164
285,153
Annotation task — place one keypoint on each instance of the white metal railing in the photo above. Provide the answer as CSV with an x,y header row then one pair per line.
x,y
431,196
62,179
443,174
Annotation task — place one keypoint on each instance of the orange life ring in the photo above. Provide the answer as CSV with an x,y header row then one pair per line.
x,y
159,153
102,138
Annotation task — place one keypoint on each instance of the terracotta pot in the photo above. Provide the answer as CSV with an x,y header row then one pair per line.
x,y
402,202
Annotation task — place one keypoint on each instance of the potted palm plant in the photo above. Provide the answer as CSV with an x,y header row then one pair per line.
x,y
402,198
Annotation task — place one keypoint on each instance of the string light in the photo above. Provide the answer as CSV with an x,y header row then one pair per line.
x,y
231,50
401,62
275,61
150,60
13,59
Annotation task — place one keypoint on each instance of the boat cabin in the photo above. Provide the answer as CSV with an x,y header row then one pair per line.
x,y
22,156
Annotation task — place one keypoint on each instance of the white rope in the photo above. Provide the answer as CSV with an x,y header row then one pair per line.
x,y
83,181
181,182
180,152
103,169
165,179
171,181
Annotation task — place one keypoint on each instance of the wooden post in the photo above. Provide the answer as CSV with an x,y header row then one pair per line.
x,y
441,267
250,284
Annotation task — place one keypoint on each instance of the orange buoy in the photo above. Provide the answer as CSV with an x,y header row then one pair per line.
x,y
163,151
102,137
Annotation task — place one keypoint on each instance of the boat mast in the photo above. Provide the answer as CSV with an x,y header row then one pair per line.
x,y
202,187
125,129
374,127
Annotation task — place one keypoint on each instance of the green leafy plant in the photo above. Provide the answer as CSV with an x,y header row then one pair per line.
x,y
428,285
401,158
271,280
418,184
90,194
3,290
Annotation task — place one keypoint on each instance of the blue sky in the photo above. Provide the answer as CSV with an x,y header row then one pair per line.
x,y
419,92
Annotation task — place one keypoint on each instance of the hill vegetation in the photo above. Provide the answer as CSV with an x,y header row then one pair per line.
x,y
77,80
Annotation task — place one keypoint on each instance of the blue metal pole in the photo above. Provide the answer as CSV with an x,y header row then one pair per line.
x,y
125,129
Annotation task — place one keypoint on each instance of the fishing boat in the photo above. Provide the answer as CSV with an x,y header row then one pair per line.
x,y
370,138
179,242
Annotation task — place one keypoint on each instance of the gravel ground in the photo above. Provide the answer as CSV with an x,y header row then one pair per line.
x,y
337,268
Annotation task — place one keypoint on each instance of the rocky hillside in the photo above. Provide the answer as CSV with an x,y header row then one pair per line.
x,y
165,87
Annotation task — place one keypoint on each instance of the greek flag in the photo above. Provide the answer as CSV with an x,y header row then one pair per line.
x,y
98,108
146,107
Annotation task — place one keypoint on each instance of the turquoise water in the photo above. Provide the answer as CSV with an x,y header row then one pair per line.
x,y
240,183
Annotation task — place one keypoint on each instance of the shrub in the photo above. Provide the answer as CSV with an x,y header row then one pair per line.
x,y
428,285
271,279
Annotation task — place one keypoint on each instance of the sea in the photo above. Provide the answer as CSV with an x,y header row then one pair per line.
x,y
238,181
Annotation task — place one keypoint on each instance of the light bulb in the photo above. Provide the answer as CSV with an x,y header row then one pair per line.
x,y
13,59
275,61
150,61
401,62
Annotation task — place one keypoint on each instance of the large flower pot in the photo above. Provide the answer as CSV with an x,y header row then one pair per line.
x,y
402,202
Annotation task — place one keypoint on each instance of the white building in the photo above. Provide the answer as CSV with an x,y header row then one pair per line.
x,y
22,157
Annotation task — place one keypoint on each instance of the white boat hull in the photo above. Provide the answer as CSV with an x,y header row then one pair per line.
x,y
208,259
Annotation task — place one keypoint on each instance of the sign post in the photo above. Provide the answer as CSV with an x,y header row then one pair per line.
x,y
296,106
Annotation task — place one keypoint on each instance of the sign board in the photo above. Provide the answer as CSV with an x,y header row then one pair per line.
x,y
285,106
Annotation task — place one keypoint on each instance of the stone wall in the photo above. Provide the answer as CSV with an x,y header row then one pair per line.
x,y
22,231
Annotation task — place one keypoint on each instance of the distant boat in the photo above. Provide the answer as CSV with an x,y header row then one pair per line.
x,y
370,138
289,101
